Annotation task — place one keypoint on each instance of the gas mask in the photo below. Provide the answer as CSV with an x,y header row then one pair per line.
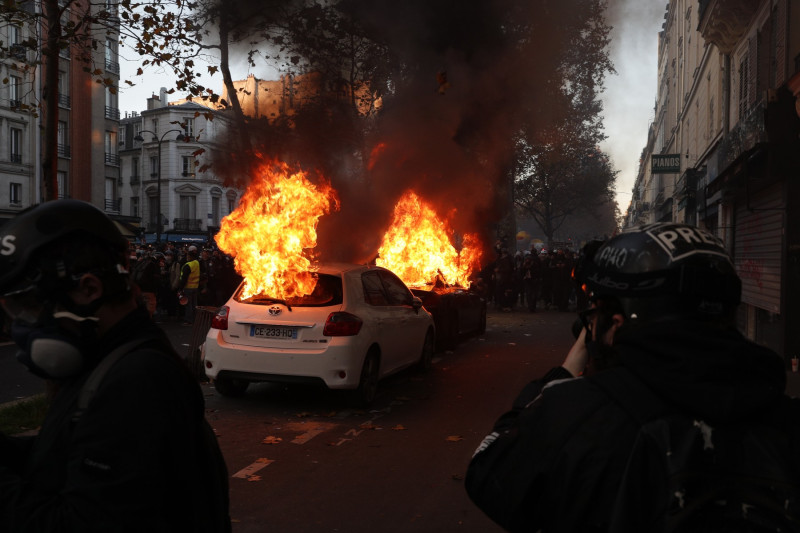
x,y
54,344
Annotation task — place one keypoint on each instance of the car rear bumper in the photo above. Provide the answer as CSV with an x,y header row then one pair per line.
x,y
338,366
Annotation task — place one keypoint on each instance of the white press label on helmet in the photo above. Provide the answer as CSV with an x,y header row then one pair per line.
x,y
7,246
683,241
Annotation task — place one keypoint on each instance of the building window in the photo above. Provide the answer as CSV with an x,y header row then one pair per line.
x,y
111,195
15,193
188,166
153,208
153,166
155,126
188,207
63,83
188,128
14,35
135,206
121,136
215,211
134,170
15,145
711,126
744,75
15,91
111,148
111,56
61,178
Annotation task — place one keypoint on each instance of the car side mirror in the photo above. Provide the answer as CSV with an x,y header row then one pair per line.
x,y
416,303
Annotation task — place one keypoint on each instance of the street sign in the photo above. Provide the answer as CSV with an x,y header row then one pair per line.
x,y
665,163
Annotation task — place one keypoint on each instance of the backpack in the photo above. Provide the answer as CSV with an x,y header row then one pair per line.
x,y
218,518
683,475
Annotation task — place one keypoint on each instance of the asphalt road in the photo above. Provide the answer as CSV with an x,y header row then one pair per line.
x,y
302,460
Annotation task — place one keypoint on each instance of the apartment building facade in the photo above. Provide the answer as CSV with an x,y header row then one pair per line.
x,y
167,186
723,150
88,116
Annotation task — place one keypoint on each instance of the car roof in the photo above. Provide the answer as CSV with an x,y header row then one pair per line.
x,y
341,267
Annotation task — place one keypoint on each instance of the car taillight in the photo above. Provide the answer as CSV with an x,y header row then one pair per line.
x,y
342,325
220,320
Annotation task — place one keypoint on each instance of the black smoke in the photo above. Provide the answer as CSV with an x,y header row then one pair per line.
x,y
470,73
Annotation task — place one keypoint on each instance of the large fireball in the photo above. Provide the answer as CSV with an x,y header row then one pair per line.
x,y
417,247
273,231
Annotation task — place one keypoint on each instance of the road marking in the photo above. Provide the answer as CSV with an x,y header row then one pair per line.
x,y
248,471
309,430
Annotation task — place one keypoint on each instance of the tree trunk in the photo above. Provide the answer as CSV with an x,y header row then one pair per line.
x,y
50,97
242,156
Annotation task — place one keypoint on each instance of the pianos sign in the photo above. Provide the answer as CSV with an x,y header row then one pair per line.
x,y
665,163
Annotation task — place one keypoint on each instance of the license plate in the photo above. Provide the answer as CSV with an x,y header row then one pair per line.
x,y
273,332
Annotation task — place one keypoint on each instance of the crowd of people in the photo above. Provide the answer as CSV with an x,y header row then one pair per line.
x,y
167,280
533,279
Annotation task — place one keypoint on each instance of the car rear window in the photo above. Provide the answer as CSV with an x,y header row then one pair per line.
x,y
328,291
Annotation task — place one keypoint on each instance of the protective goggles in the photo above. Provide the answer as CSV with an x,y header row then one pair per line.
x,y
23,304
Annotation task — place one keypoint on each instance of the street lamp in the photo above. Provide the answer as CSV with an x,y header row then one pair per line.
x,y
159,140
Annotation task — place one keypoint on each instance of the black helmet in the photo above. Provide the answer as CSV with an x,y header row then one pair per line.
x,y
661,270
27,234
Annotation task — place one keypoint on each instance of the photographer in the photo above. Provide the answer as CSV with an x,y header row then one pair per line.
x,y
678,419
124,445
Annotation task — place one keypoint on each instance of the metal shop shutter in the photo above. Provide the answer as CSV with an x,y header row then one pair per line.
x,y
758,248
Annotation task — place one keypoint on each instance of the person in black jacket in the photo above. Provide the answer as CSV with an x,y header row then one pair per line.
x,y
138,455
662,321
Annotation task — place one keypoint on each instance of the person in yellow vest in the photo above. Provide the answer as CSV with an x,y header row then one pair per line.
x,y
189,283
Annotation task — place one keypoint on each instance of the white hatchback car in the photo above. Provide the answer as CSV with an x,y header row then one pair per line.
x,y
359,325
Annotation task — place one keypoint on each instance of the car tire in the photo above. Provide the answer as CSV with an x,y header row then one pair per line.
x,y
367,389
231,387
428,348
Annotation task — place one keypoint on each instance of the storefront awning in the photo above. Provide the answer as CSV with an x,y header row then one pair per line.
x,y
176,237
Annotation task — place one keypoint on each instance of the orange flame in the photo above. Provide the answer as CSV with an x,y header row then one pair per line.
x,y
274,229
417,246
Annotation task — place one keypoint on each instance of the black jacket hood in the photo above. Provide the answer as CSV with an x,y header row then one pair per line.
x,y
713,373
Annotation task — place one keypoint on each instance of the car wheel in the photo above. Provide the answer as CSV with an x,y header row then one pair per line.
x,y
230,387
368,383
426,359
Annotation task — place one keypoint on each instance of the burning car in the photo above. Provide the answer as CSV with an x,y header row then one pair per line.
x,y
457,313
356,325
418,247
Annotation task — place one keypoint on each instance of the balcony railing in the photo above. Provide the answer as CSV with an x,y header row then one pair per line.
x,y
64,100
15,158
748,132
187,224
112,66
112,112
112,159
18,51
112,205
63,150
